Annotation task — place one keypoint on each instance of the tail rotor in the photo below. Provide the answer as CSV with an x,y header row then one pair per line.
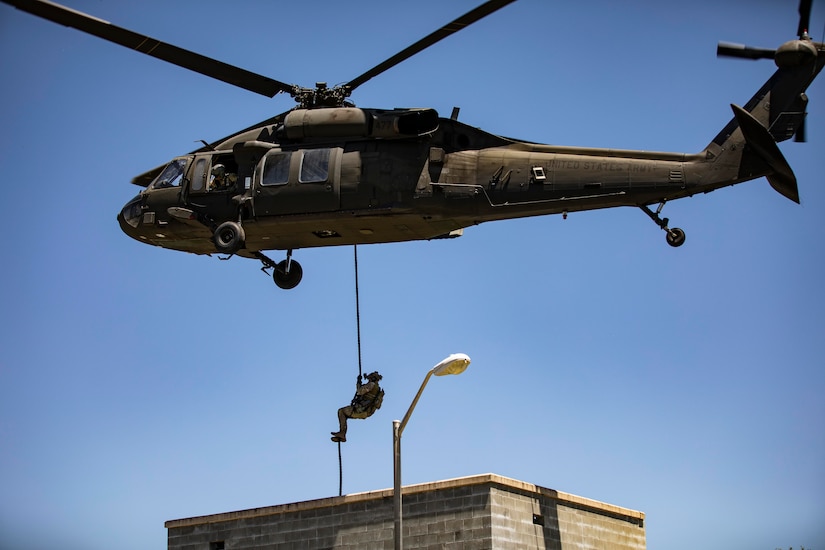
x,y
728,49
790,55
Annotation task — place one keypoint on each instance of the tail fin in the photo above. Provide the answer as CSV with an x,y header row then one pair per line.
x,y
761,142
775,113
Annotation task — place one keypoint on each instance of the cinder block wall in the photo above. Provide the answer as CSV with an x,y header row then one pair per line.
x,y
473,513
547,519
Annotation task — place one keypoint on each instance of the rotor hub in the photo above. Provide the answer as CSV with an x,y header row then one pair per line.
x,y
795,53
321,96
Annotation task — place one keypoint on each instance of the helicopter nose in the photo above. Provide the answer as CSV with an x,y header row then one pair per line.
x,y
121,220
129,217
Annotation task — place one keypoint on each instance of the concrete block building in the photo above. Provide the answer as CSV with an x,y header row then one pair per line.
x,y
471,513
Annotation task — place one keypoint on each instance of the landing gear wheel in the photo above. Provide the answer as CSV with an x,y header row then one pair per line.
x,y
229,237
287,274
675,237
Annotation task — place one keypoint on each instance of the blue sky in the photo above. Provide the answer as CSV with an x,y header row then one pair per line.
x,y
139,385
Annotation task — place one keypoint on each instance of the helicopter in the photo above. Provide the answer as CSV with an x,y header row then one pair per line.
x,y
328,173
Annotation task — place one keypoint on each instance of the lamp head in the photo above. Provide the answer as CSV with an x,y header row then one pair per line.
x,y
454,364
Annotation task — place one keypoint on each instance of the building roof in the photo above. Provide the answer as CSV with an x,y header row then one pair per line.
x,y
493,480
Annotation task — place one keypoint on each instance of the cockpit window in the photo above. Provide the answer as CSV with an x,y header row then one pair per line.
x,y
132,211
199,175
314,166
171,176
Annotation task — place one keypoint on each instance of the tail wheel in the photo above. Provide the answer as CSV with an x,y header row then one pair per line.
x,y
287,274
229,237
675,237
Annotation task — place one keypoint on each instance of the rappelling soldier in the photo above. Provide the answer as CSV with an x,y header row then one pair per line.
x,y
367,400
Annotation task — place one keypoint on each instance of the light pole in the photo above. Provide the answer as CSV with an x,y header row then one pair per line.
x,y
454,364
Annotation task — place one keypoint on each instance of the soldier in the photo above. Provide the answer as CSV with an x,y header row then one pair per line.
x,y
218,180
368,399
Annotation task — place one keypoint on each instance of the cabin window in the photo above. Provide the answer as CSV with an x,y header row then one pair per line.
x,y
314,166
171,175
276,169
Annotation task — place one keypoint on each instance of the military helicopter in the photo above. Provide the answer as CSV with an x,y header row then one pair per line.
x,y
328,173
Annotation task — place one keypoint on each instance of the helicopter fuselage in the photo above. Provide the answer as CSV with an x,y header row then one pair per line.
x,y
325,191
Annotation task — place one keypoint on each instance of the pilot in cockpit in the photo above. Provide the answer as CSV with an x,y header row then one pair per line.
x,y
218,179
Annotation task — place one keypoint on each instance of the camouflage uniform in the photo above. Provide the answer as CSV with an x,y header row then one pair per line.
x,y
368,399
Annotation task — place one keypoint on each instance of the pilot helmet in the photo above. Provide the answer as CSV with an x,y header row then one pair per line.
x,y
218,170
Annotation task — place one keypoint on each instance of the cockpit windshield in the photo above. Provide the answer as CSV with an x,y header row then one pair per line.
x,y
171,176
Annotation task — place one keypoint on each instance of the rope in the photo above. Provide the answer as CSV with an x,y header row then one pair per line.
x,y
358,328
340,472
357,308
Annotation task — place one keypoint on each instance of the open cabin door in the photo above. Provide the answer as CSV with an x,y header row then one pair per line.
x,y
298,182
213,181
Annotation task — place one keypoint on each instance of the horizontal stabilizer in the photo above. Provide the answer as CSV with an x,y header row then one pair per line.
x,y
146,178
782,179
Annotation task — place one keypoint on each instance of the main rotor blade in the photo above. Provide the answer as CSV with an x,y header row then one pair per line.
x,y
450,28
804,17
150,46
726,49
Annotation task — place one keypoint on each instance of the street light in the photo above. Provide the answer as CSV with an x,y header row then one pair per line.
x,y
454,364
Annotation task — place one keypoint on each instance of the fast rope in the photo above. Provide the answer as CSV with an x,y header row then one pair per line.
x,y
340,472
360,374
357,307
